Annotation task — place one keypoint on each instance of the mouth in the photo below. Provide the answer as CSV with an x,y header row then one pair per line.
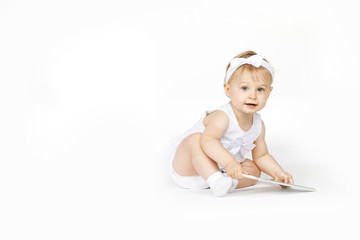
x,y
251,104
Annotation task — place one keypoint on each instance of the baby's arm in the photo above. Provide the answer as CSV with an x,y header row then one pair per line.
x,y
210,144
266,162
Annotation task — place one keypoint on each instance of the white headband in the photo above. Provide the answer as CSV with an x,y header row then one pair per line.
x,y
255,60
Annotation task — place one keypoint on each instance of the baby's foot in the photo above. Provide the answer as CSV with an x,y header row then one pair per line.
x,y
222,187
234,184
219,184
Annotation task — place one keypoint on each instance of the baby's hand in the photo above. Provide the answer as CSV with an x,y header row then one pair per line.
x,y
284,177
234,170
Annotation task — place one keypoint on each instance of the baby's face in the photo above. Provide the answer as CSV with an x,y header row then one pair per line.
x,y
247,94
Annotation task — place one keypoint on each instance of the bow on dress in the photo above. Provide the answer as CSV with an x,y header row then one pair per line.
x,y
240,147
246,147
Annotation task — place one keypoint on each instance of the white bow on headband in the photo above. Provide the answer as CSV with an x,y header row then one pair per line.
x,y
255,60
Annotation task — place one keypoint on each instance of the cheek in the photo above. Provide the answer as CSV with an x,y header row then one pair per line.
x,y
240,95
263,97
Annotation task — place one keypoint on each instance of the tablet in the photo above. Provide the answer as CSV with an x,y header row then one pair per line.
x,y
280,183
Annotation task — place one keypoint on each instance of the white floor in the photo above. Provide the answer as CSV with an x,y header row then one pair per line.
x,y
263,211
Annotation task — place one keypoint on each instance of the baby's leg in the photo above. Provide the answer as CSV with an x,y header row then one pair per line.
x,y
250,167
191,160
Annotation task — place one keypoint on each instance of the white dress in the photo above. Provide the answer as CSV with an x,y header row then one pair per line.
x,y
235,140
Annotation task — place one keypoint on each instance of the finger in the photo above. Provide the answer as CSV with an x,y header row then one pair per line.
x,y
286,179
291,180
243,171
239,174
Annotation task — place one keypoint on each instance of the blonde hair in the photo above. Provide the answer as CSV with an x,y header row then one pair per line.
x,y
257,73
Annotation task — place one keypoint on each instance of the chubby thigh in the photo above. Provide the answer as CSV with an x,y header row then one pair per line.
x,y
182,163
190,159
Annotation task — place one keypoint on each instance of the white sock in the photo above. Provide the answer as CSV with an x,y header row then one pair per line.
x,y
234,184
219,184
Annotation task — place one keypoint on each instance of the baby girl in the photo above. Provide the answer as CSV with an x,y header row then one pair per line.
x,y
211,153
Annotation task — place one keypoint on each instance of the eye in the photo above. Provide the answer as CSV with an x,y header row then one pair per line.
x,y
244,88
260,89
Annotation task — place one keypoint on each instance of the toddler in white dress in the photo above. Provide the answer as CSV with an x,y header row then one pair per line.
x,y
220,139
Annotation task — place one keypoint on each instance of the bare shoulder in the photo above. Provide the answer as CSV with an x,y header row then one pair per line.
x,y
216,124
262,126
262,134
217,116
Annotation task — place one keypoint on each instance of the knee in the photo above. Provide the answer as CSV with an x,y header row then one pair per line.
x,y
194,139
192,142
251,168
195,136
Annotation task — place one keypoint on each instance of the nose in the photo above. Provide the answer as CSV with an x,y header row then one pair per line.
x,y
252,94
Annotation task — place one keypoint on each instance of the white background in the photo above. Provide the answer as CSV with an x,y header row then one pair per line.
x,y
91,92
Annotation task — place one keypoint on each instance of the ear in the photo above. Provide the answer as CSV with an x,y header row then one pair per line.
x,y
271,88
227,90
